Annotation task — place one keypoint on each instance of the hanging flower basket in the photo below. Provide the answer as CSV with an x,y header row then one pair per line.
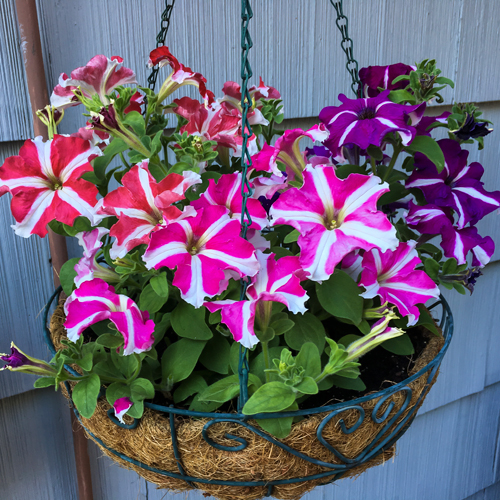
x,y
227,297
229,457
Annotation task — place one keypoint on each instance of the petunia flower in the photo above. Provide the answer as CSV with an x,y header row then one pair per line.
x,y
99,76
456,243
425,125
87,267
286,150
18,361
366,122
457,186
208,122
202,248
262,93
46,184
277,281
227,193
334,217
143,205
181,75
374,78
470,129
121,406
392,277
97,301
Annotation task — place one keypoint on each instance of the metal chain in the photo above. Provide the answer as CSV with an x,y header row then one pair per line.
x,y
160,39
246,163
346,44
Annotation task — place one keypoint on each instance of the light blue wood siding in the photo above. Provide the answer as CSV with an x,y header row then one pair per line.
x,y
452,451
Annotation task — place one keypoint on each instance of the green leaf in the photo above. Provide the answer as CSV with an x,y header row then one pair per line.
x,y
346,340
271,397
140,389
85,395
86,362
106,370
450,266
117,390
307,386
126,365
190,322
429,147
194,384
234,357
339,296
179,359
375,152
223,390
135,120
215,356
307,328
426,320
208,406
291,236
282,326
67,275
44,382
431,268
265,336
353,384
150,301
401,346
137,410
160,285
309,359
109,340
278,427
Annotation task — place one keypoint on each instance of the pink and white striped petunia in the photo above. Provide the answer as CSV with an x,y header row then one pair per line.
x,y
227,193
392,277
143,205
277,281
87,267
202,248
121,407
457,186
99,76
334,217
286,150
96,301
46,184
181,75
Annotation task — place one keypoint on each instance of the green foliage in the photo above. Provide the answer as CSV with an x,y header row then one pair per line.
x,y
190,322
67,275
85,395
179,360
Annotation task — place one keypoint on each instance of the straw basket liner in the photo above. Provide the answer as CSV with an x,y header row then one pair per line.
x,y
231,458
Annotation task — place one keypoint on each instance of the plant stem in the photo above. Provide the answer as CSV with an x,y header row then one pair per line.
x,y
267,361
397,149
124,161
374,166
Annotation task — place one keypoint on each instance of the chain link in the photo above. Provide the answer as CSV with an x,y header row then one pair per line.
x,y
160,39
246,163
347,45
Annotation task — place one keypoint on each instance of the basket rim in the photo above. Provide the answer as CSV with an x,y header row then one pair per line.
x,y
446,324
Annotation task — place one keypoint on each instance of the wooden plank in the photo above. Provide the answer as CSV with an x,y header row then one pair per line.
x,y
36,456
296,44
490,493
26,284
16,123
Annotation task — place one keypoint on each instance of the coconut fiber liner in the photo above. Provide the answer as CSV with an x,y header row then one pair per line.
x,y
151,444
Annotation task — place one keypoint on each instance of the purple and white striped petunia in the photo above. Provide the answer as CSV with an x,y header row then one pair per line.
x,y
334,217
366,122
121,407
227,193
392,277
277,281
205,249
286,150
96,301
375,77
87,267
45,182
100,76
143,205
457,186
456,243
